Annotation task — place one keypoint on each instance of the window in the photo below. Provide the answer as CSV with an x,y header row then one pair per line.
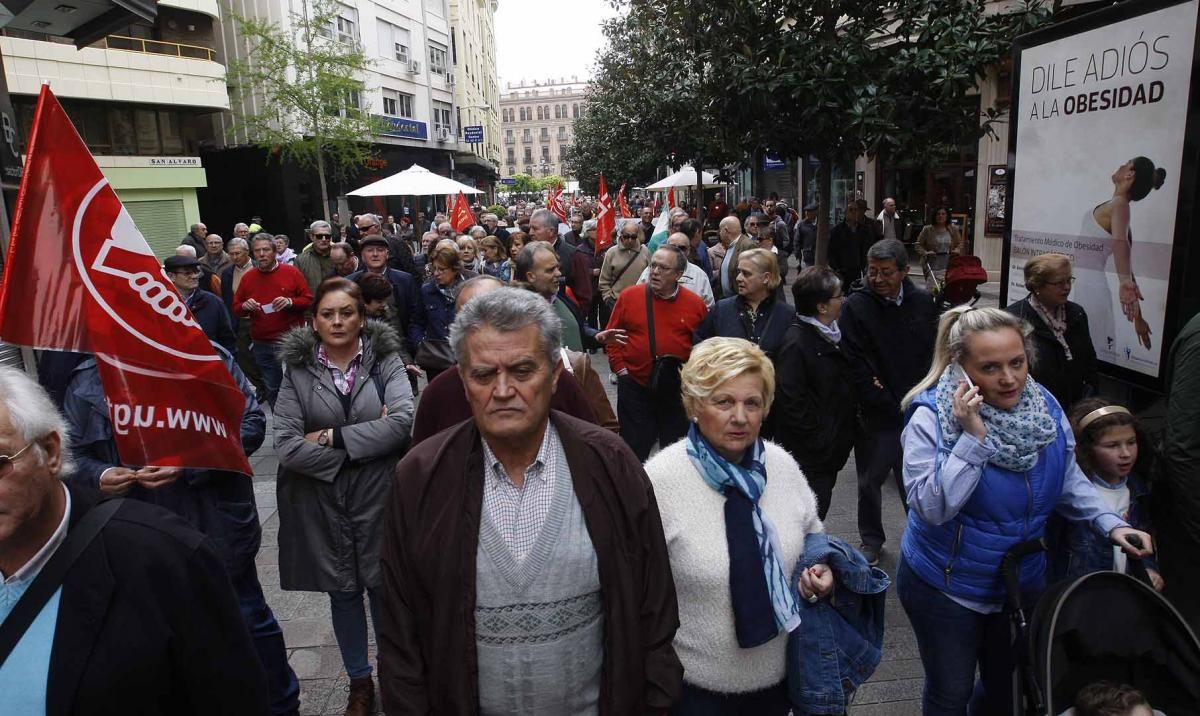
x,y
146,124
170,133
545,154
344,27
441,116
528,155
527,136
539,113
397,104
545,134
562,150
437,58
512,156
124,137
575,110
393,42
508,137
350,103
557,112
562,134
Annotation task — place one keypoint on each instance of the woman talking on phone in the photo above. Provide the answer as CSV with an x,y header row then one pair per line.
x,y
988,455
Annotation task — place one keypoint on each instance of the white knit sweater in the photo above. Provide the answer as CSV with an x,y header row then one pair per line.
x,y
693,517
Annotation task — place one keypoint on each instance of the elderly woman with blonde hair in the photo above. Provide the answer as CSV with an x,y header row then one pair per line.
x,y
735,511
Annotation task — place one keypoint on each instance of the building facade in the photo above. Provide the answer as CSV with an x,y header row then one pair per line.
x,y
537,121
142,99
476,92
410,87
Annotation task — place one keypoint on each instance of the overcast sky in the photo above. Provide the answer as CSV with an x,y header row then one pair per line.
x,y
540,39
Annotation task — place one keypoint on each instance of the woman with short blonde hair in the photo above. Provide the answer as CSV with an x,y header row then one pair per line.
x,y
758,313
715,500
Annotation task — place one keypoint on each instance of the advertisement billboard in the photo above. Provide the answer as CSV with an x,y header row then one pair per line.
x,y
1098,170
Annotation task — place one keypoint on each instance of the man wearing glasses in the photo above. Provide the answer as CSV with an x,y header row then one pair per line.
x,y
316,264
888,331
649,413
207,309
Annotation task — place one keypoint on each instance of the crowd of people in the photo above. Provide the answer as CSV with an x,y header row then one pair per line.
x,y
516,542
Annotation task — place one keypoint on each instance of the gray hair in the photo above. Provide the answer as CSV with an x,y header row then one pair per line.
x,y
33,416
186,250
477,229
546,218
507,310
242,224
526,257
343,247
263,236
197,226
681,260
590,225
320,224
889,250
239,242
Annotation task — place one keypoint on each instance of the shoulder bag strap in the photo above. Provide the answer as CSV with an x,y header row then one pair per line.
x,y
650,322
47,582
616,277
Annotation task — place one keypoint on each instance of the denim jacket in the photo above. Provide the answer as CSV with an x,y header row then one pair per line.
x,y
839,641
1076,550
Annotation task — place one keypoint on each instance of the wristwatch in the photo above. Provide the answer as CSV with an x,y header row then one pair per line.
x,y
323,438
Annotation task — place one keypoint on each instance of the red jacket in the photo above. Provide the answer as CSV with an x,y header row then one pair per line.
x,y
264,287
674,321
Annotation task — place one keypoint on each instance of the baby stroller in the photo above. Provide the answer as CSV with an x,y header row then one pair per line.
x,y
964,275
1102,626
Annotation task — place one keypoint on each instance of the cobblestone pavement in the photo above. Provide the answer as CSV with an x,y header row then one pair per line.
x,y
894,690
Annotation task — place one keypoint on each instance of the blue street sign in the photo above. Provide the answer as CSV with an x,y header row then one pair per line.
x,y
508,181
473,134
772,161
408,128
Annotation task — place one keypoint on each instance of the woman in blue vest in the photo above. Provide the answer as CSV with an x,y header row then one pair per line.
x,y
988,455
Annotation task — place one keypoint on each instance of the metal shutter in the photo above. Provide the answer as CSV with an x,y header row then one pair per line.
x,y
161,222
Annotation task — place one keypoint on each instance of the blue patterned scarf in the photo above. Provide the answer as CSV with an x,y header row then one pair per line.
x,y
758,583
1018,434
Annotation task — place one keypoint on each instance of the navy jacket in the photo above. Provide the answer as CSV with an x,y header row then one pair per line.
x,y
891,343
213,319
406,299
840,639
1074,547
726,319
439,313
220,504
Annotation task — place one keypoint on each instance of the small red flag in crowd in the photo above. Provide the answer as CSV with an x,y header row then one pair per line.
x,y
671,198
622,205
461,218
80,277
606,222
557,203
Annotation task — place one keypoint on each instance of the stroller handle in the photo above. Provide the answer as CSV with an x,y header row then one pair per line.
x,y
1010,568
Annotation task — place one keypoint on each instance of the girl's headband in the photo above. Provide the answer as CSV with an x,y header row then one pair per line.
x,y
1100,413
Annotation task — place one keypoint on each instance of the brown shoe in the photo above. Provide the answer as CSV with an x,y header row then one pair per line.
x,y
362,697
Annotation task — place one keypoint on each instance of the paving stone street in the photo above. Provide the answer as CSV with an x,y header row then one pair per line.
x,y
894,690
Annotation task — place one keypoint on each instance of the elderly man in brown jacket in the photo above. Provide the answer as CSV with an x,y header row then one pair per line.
x,y
525,569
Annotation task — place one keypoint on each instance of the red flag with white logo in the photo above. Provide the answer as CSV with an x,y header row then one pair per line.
x,y
81,277
557,203
606,222
461,217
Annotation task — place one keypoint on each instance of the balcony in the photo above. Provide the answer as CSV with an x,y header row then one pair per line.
x,y
117,69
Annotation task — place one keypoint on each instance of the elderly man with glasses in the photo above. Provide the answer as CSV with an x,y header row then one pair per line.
x,y
206,308
316,263
400,255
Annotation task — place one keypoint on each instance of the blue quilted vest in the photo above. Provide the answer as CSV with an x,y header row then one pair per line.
x,y
962,557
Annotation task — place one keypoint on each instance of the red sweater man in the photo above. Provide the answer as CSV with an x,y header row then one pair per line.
x,y
675,319
274,298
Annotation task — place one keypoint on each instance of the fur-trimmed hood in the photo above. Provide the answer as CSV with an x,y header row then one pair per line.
x,y
298,347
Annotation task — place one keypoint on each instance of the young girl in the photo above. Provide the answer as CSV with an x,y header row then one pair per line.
x,y
1106,448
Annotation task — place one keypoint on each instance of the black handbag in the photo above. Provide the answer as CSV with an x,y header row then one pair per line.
x,y
664,371
434,354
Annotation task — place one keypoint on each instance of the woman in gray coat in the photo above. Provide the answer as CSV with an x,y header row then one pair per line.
x,y
342,419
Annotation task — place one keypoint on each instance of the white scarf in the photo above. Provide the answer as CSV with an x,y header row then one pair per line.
x,y
831,333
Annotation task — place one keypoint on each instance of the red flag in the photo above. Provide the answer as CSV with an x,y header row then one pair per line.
x,y
606,223
622,205
449,204
671,198
557,204
461,217
81,277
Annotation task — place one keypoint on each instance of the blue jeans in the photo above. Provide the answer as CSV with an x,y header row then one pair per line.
x,y
953,640
270,366
695,701
282,686
350,629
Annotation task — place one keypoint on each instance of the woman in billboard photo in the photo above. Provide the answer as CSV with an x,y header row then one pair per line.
x,y
1132,181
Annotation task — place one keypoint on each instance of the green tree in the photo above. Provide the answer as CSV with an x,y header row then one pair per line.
x,y
525,184
550,182
304,80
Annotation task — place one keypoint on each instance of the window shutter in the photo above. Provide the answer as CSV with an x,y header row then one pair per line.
x,y
161,222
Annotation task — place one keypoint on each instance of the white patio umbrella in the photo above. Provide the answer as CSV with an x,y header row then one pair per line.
x,y
414,181
685,178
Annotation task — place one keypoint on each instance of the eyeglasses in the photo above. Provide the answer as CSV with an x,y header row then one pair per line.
x,y
661,267
6,461
629,236
1062,283
321,236
839,297
885,274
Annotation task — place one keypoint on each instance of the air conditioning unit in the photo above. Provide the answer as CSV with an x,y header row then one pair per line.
x,y
414,68
443,134
449,78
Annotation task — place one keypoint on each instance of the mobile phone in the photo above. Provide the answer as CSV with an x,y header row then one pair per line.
x,y
962,371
